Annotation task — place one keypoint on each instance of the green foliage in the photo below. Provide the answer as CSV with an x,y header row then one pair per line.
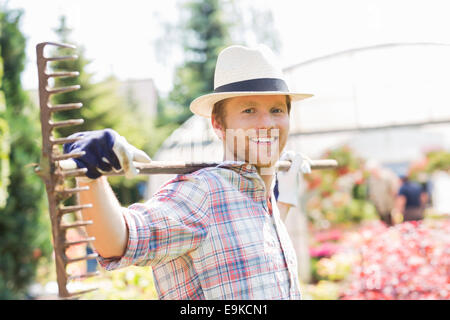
x,y
4,147
340,195
438,160
324,290
205,34
335,268
131,283
4,161
24,232
12,44
356,210
205,27
346,159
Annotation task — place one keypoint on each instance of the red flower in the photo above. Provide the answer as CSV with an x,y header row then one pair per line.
x,y
408,261
325,250
329,235
37,253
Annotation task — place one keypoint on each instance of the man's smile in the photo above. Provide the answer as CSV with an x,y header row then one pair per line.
x,y
266,140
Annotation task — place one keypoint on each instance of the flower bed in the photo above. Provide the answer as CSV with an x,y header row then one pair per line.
x,y
375,262
408,261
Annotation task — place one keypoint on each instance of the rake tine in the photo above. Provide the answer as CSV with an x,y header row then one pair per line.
x,y
64,74
68,156
63,140
63,89
67,193
73,173
62,58
86,257
76,224
57,44
67,209
73,190
78,293
64,107
73,243
65,123
83,276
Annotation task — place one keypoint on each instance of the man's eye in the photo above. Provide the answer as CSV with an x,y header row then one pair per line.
x,y
249,110
277,110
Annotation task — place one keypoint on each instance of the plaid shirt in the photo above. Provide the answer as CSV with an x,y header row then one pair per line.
x,y
211,235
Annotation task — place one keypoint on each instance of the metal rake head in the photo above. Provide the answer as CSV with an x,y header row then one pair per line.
x,y
52,175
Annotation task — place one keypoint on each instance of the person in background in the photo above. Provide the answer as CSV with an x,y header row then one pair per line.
x,y
382,185
411,200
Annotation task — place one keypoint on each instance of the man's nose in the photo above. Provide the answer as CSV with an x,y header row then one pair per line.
x,y
265,121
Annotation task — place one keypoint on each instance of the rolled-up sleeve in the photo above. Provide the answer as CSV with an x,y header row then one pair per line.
x,y
173,222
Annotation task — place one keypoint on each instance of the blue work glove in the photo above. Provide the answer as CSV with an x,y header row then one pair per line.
x,y
105,150
288,181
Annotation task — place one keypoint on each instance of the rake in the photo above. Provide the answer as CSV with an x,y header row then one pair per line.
x,y
54,168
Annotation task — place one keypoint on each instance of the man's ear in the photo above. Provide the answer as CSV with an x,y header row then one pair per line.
x,y
217,127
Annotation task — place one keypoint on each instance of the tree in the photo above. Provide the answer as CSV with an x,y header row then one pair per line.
x,y
205,28
204,32
4,146
24,233
253,24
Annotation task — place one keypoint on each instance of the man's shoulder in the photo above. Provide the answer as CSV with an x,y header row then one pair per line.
x,y
404,188
410,188
211,176
208,177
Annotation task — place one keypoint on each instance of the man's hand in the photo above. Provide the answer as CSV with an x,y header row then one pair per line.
x,y
288,181
105,150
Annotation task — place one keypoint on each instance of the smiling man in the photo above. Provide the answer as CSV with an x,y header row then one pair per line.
x,y
256,130
216,233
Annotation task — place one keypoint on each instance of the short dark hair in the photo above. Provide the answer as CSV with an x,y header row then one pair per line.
x,y
219,111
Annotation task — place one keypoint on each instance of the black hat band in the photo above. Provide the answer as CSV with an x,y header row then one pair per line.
x,y
262,84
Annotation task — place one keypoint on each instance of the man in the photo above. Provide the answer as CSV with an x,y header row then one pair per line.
x,y
382,189
411,200
215,233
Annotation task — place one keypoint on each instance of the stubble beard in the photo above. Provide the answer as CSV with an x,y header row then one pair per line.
x,y
260,148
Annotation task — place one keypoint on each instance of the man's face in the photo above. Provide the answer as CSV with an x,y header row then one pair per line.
x,y
254,128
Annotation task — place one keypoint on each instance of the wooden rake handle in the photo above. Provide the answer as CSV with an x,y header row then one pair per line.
x,y
161,167
181,167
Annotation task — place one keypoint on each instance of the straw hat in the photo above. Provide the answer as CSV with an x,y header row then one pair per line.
x,y
242,71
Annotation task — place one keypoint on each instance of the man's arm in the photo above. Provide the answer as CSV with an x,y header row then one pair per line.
x,y
108,227
104,150
424,198
288,182
399,208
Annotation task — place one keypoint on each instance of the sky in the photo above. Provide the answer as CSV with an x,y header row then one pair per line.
x,y
119,36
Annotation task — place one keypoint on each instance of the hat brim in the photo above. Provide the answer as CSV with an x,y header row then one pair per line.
x,y
203,105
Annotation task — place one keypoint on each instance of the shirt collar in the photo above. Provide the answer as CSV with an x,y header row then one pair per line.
x,y
240,167
245,169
